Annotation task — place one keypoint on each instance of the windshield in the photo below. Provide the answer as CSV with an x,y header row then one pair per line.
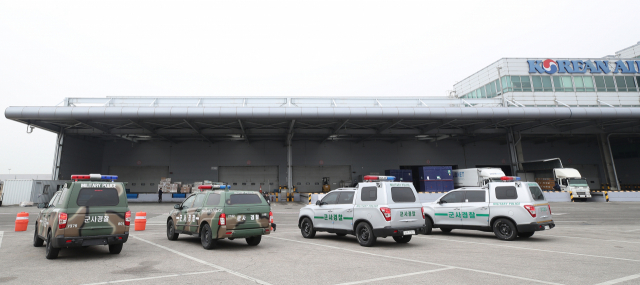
x,y
579,182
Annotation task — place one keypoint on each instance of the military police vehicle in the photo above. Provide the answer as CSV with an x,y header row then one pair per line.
x,y
376,208
91,210
219,214
510,208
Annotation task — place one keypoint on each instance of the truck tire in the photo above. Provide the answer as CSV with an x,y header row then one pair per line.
x,y
306,228
505,230
402,239
51,252
526,234
115,248
171,231
253,241
37,241
445,230
428,226
206,237
365,236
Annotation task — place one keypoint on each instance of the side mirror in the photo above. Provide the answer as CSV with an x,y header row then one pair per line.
x,y
177,206
42,205
318,203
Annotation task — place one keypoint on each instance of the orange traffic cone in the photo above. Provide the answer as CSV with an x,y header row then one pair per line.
x,y
22,220
141,221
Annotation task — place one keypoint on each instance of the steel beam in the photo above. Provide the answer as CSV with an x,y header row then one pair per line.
x,y
193,126
244,134
105,130
336,129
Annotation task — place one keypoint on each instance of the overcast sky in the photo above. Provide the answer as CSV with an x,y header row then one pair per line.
x,y
56,49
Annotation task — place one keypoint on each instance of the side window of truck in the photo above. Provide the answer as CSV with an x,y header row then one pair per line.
x,y
506,193
199,200
54,200
213,199
453,197
369,194
475,196
346,197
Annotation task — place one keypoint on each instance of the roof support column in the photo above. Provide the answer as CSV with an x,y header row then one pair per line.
x,y
289,156
55,173
513,156
607,161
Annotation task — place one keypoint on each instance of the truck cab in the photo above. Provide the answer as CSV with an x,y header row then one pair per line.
x,y
569,179
376,208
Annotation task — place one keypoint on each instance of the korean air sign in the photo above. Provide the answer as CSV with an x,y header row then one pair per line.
x,y
550,66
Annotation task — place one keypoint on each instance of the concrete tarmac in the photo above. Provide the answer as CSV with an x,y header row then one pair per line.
x,y
593,243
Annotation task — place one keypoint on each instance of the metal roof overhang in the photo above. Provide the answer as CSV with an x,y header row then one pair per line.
x,y
251,123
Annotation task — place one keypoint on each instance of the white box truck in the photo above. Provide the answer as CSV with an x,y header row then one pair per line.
x,y
551,175
476,176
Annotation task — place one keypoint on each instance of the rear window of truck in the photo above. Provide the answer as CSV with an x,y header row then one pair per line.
x,y
244,199
506,193
402,195
536,193
98,197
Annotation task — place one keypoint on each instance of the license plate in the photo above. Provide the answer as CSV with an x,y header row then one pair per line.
x,y
406,233
547,227
580,193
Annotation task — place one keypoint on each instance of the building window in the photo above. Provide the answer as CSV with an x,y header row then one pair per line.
x,y
521,83
541,83
605,84
626,84
583,83
506,84
562,83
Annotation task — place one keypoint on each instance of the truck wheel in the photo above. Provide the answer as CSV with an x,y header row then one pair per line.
x,y
526,234
115,248
171,231
51,252
365,236
37,241
206,237
445,230
402,239
428,226
253,241
306,228
505,229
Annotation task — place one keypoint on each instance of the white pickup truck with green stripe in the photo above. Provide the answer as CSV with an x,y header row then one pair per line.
x,y
371,210
509,209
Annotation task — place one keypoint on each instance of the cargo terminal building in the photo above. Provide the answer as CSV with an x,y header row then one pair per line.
x,y
584,111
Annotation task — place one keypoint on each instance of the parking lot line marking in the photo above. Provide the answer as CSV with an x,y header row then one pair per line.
x,y
535,249
620,280
631,231
417,261
151,278
1,235
396,276
594,239
203,262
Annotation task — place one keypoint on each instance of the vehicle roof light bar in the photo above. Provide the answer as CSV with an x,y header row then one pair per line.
x,y
368,178
206,187
510,178
94,176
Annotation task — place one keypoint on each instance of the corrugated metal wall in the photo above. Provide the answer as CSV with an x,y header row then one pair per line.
x,y
17,191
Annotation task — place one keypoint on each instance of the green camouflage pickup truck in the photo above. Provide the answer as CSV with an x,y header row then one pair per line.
x,y
91,210
219,214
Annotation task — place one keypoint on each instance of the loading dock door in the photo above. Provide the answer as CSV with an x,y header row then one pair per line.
x,y
309,178
141,179
249,177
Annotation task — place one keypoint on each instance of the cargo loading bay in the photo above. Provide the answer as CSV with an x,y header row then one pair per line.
x,y
295,142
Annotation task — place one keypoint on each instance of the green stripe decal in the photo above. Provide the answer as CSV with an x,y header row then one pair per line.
x,y
442,214
482,215
347,218
318,217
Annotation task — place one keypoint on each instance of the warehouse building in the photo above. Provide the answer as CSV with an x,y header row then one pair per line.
x,y
584,111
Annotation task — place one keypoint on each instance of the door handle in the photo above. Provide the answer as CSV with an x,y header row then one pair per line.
x,y
349,210
483,208
330,211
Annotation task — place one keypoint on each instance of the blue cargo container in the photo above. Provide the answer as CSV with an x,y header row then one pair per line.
x,y
435,179
397,173
406,175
